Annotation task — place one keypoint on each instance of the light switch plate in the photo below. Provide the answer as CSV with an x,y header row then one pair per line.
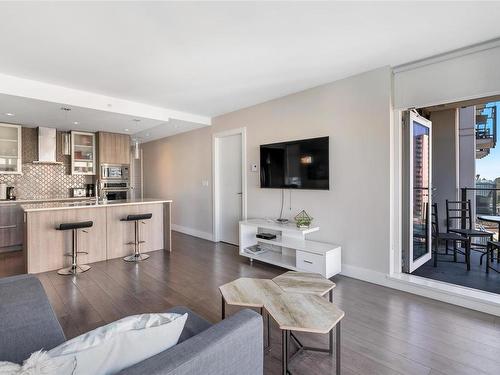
x,y
253,167
204,183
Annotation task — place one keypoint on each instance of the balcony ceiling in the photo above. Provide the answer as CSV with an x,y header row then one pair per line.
x,y
212,58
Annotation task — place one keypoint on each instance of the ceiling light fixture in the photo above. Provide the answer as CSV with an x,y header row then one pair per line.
x,y
66,143
137,152
75,122
9,114
126,129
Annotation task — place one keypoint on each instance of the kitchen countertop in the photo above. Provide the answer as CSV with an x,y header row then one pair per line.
x,y
6,201
87,203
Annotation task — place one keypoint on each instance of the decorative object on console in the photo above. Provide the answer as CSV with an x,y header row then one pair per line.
x,y
303,220
256,249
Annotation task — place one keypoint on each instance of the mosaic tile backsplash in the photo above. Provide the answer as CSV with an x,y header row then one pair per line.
x,y
43,181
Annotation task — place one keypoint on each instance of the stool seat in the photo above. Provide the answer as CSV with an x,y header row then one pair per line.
x,y
78,225
137,217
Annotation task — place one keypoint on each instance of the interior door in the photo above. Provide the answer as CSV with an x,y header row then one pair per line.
x,y
230,188
417,191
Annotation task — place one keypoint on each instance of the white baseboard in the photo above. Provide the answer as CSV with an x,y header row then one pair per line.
x,y
193,232
457,295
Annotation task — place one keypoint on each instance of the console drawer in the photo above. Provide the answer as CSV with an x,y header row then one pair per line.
x,y
310,262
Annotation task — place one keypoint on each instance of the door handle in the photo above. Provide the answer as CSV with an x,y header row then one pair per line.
x,y
239,193
8,226
308,261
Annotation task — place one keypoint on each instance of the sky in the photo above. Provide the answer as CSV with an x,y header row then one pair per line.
x,y
489,166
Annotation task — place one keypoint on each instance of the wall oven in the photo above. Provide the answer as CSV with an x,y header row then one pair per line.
x,y
115,195
115,189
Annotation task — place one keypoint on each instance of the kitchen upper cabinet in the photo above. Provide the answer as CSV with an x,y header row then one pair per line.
x,y
83,155
10,149
113,148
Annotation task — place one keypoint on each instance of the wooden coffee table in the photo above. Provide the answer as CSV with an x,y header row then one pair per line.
x,y
294,300
306,283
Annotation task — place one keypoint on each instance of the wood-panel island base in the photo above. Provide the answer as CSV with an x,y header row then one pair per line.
x,y
45,246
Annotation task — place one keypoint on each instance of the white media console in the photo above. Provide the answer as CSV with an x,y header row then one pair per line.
x,y
289,249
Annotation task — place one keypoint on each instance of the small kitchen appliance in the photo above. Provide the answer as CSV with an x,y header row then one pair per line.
x,y
10,193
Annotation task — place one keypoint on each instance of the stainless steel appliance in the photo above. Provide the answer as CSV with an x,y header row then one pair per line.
x,y
90,188
79,192
114,172
114,195
10,193
114,183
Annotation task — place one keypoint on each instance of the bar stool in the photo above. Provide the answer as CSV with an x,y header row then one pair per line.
x,y
137,256
75,268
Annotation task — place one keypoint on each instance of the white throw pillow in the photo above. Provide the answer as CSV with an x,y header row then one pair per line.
x,y
111,348
39,363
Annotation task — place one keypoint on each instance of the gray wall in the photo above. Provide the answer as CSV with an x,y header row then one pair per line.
x,y
354,112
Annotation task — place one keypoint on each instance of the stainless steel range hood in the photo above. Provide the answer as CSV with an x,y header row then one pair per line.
x,y
46,146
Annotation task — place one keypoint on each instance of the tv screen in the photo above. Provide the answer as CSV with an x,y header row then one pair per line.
x,y
302,164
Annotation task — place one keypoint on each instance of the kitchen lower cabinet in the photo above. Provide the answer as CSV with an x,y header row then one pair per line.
x,y
11,227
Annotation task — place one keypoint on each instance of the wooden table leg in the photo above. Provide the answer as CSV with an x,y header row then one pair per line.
x,y
223,308
284,352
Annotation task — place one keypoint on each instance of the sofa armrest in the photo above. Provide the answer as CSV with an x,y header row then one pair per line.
x,y
232,346
27,321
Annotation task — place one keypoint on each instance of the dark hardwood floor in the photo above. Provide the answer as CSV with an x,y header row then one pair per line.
x,y
384,332
11,263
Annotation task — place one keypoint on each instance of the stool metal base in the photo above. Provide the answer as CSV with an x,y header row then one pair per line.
x,y
136,258
74,270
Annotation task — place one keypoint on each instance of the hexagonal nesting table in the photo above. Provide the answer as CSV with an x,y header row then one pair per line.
x,y
250,292
306,283
295,302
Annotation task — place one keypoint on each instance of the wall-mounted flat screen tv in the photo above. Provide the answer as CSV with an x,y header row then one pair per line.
x,y
302,164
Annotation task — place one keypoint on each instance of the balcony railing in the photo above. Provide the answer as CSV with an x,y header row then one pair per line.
x,y
486,203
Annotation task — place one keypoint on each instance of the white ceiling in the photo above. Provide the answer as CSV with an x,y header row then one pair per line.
x,y
32,113
210,58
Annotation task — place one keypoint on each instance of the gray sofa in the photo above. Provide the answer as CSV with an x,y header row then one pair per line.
x,y
232,346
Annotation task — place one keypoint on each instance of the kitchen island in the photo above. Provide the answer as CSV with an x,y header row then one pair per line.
x,y
109,237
